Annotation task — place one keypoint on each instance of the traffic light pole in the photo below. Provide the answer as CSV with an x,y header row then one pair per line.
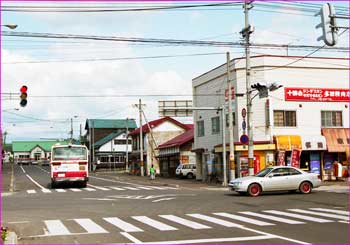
x,y
246,32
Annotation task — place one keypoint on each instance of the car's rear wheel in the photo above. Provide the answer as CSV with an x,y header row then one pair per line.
x,y
53,184
83,184
190,175
305,187
254,190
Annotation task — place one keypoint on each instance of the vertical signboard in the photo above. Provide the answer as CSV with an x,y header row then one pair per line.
x,y
295,158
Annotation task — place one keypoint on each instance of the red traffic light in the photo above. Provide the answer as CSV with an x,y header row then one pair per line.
x,y
24,89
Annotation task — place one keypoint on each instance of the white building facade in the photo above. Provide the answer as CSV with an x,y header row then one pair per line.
x,y
314,97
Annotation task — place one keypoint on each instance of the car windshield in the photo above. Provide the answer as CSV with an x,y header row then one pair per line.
x,y
263,172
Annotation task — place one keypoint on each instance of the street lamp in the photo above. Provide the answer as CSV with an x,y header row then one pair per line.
x,y
11,26
263,92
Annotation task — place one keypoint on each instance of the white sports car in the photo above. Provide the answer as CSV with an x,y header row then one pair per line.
x,y
276,178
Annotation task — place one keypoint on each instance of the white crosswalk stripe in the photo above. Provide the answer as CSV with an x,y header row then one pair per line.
x,y
60,190
298,216
214,220
154,223
320,214
331,211
127,227
75,190
31,191
89,189
56,228
46,190
131,188
138,223
270,217
185,222
116,188
144,188
99,187
90,226
244,219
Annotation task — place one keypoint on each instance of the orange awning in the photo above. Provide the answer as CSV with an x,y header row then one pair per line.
x,y
337,139
288,142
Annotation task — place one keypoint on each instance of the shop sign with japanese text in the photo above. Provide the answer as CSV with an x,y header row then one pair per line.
x,y
317,94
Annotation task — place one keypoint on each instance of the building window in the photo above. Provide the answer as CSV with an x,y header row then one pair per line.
x,y
215,125
233,119
200,128
331,119
284,118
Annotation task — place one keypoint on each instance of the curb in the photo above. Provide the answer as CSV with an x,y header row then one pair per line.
x,y
11,238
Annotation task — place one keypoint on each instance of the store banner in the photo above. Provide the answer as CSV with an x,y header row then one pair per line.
x,y
295,162
280,158
317,94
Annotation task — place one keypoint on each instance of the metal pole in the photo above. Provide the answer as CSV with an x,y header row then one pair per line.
x,y
71,130
224,183
249,101
93,148
127,146
141,139
230,121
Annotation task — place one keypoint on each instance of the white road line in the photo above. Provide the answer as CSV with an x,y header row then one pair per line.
x,y
56,227
244,219
131,238
98,187
331,211
60,190
214,240
90,226
158,187
127,227
320,214
298,216
144,188
154,223
23,170
131,188
88,189
288,221
17,222
164,199
342,221
36,183
45,190
214,220
116,188
185,222
74,189
31,191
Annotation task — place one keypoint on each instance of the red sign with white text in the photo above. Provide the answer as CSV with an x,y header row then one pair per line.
x,y
317,94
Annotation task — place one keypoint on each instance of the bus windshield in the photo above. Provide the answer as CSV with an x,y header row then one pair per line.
x,y
69,153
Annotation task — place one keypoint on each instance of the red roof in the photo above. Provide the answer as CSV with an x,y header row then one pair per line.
x,y
179,140
155,123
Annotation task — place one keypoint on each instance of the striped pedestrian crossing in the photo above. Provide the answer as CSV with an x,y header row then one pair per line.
x,y
92,188
194,221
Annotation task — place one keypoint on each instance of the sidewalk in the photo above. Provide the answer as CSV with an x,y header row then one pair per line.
x,y
6,177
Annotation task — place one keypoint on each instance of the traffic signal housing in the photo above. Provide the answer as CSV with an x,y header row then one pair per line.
x,y
328,25
23,95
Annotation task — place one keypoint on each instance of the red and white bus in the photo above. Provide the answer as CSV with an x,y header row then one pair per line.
x,y
69,163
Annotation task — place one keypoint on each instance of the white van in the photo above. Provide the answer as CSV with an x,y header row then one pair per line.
x,y
186,170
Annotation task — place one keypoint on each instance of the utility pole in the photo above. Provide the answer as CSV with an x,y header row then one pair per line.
x,y
127,146
80,137
141,139
71,130
248,29
230,119
224,183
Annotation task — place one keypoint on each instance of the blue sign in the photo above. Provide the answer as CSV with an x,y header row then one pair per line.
x,y
244,139
244,125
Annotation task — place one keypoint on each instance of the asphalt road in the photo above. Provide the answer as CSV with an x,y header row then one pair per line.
x,y
114,209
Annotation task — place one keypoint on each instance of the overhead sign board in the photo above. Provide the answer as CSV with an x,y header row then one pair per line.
x,y
175,108
317,94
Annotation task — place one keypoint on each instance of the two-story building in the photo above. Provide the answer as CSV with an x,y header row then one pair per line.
x,y
310,113
105,138
154,133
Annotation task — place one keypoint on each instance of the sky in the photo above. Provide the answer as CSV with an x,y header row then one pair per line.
x,y
81,78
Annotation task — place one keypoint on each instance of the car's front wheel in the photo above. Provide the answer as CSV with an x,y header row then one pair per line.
x,y
254,190
305,187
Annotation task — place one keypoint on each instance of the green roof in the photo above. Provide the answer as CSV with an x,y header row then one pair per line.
x,y
29,145
110,123
106,139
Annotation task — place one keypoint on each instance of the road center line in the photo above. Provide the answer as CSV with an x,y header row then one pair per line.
x,y
36,183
